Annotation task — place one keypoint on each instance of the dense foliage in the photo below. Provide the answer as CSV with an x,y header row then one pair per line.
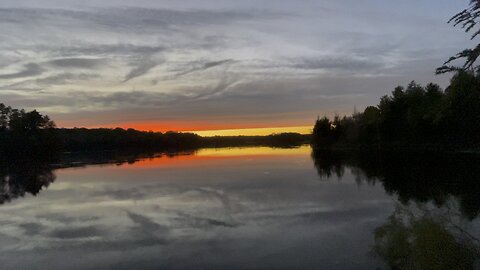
x,y
83,139
273,140
23,132
412,117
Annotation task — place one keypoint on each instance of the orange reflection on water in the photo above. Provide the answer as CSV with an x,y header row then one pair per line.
x,y
252,151
213,156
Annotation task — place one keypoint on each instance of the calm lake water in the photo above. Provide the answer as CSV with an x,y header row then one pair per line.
x,y
249,208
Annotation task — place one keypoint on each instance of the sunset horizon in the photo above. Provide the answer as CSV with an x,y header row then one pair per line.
x,y
206,65
209,131
239,135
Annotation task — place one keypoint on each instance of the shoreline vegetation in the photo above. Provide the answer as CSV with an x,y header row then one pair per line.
x,y
31,135
412,119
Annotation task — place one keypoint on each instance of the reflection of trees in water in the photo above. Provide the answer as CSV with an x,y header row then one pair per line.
x,y
113,157
417,177
438,197
423,238
21,178
18,178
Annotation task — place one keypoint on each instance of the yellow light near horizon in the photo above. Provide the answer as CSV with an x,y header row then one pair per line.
x,y
252,151
254,131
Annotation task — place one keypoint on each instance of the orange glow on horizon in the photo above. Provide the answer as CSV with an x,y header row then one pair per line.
x,y
255,131
208,129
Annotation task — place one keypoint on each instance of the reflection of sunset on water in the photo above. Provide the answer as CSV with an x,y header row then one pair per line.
x,y
201,157
214,156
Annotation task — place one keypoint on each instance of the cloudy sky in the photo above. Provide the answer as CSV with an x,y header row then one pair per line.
x,y
199,65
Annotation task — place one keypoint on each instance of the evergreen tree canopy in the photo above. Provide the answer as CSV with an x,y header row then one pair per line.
x,y
468,20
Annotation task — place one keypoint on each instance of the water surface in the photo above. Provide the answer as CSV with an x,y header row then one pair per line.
x,y
250,208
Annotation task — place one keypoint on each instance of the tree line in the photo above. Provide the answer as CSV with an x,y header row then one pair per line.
x,y
415,116
27,134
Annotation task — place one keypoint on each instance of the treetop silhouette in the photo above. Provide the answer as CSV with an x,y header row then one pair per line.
x,y
467,20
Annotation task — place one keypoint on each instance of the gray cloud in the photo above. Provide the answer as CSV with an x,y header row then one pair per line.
x,y
145,98
290,59
64,78
29,70
222,86
41,83
76,63
203,66
102,50
143,68
130,19
339,63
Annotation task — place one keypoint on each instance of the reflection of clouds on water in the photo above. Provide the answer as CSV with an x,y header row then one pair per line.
x,y
121,194
65,219
202,222
228,207
174,217
31,228
147,231
76,232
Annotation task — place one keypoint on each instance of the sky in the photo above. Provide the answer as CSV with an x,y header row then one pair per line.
x,y
217,65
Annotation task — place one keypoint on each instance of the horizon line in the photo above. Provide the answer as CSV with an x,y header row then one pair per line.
x,y
262,131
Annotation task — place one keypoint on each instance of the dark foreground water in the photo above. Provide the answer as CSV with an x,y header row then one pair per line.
x,y
252,208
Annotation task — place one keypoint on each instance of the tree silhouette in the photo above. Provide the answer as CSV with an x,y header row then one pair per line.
x,y
413,117
21,121
467,20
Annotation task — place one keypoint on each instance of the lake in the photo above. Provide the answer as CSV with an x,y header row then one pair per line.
x,y
242,208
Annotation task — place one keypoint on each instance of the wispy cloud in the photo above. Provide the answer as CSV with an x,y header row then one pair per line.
x,y
143,68
199,66
347,62
28,70
216,59
86,63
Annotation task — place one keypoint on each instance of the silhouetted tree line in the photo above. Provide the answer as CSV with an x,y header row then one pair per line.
x,y
100,139
30,134
82,139
273,140
419,178
411,117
